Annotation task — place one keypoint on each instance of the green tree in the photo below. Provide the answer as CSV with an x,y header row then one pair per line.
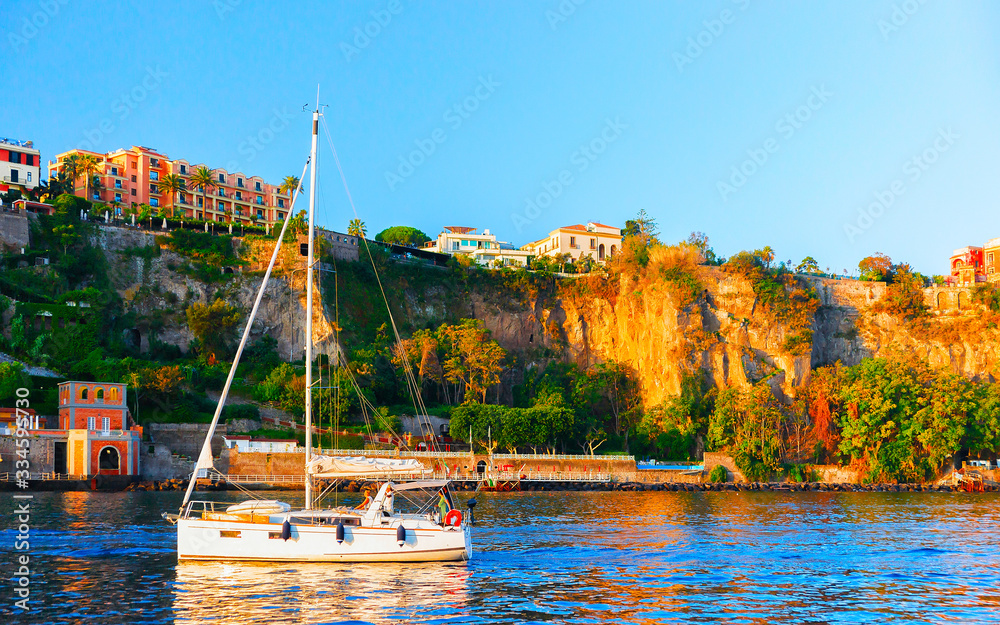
x,y
203,179
356,228
876,268
87,166
402,235
808,265
289,186
643,227
214,326
171,184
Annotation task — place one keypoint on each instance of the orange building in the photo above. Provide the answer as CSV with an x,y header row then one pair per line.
x,y
967,266
991,260
132,177
101,438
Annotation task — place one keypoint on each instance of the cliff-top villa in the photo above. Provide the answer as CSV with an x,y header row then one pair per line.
x,y
133,175
19,165
483,247
972,264
597,240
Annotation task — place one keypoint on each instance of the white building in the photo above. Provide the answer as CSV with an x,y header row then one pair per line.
x,y
19,165
483,247
245,444
597,240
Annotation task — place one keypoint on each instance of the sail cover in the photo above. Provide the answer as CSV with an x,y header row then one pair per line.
x,y
327,466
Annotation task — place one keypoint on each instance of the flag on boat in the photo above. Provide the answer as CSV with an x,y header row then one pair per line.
x,y
328,466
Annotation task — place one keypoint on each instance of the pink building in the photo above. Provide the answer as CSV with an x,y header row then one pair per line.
x,y
132,177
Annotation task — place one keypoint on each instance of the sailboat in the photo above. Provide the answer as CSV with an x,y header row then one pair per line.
x,y
406,520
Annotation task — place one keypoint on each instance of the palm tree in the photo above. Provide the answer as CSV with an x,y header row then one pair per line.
x,y
171,184
289,185
96,185
71,170
203,179
87,166
356,228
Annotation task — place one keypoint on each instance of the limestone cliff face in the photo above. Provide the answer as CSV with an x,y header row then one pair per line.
x,y
155,287
724,333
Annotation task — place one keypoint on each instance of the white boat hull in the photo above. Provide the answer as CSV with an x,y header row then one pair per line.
x,y
199,539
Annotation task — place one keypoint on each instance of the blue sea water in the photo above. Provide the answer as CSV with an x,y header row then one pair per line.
x,y
656,557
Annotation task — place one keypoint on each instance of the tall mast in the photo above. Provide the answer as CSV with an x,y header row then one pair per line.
x,y
309,303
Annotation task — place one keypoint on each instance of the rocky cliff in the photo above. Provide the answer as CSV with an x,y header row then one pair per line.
x,y
723,331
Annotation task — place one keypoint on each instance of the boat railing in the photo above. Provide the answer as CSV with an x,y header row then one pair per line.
x,y
452,454
266,479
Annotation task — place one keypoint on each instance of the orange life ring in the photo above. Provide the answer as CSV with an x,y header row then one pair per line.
x,y
454,518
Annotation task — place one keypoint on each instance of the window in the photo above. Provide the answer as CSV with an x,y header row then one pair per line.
x,y
114,171
13,175
105,423
989,258
184,169
256,186
260,200
29,159
281,216
180,198
222,193
222,177
200,202
260,214
133,179
281,203
154,175
593,244
83,393
99,395
239,195
154,162
239,182
572,241
220,206
28,174
91,423
133,192
154,201
15,157
152,188
133,165
454,246
118,184
118,197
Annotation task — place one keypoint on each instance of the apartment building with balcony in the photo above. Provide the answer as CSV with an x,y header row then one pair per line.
x,y
483,247
132,176
20,165
598,240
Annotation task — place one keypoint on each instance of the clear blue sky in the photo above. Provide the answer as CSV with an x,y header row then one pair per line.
x,y
672,96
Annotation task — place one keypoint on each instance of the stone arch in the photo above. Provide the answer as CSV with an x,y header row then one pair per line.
x,y
600,252
109,459
614,250
83,393
962,300
939,300
481,467
99,394
113,394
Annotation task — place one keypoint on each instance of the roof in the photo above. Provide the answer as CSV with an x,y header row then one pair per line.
x,y
459,229
602,225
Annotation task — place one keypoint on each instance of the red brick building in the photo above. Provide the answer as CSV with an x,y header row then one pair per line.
x,y
102,439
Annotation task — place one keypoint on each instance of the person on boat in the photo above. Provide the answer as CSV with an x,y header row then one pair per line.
x,y
444,506
367,502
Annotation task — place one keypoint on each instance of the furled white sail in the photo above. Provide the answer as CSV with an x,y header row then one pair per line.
x,y
328,466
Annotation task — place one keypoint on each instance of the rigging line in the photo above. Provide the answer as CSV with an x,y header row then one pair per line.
x,y
422,410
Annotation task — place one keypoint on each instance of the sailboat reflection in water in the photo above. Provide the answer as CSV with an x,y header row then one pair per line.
x,y
317,593
406,521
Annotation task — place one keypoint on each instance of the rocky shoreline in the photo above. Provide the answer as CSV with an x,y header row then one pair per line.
x,y
556,486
